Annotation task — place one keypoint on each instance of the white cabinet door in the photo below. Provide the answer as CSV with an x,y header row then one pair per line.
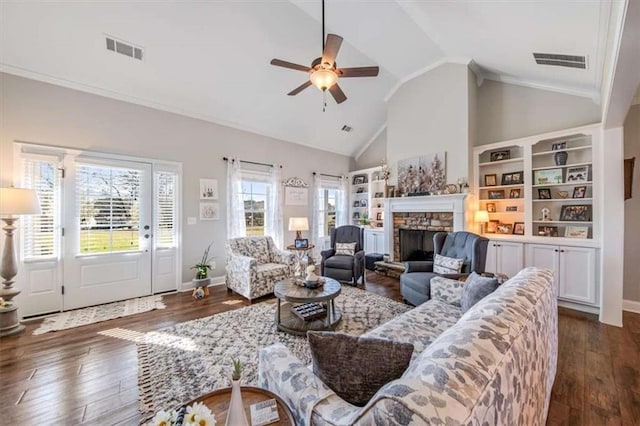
x,y
577,274
510,258
379,243
543,256
491,264
369,241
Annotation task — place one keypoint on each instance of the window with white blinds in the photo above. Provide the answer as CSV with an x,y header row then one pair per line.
x,y
41,233
109,204
166,209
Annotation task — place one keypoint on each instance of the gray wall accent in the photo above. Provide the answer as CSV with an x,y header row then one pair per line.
x,y
375,153
430,114
41,113
632,208
508,111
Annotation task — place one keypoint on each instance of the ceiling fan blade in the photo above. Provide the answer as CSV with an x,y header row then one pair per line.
x,y
358,72
300,88
290,65
337,93
331,47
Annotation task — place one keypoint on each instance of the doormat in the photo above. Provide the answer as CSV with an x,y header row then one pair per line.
x,y
94,314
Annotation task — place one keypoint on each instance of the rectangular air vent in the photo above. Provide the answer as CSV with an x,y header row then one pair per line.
x,y
124,48
346,128
569,61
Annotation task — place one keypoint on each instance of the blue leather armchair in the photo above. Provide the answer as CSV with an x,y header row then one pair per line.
x,y
415,282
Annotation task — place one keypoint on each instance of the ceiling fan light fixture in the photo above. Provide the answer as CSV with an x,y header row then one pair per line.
x,y
323,78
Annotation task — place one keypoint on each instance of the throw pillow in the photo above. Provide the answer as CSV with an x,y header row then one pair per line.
x,y
447,265
348,249
447,290
356,367
475,288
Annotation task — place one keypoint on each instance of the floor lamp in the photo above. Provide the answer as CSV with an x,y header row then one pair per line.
x,y
13,202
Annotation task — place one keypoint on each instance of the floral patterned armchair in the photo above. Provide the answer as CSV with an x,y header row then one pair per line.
x,y
255,264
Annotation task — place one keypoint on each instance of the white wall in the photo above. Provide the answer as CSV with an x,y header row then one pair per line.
x,y
508,111
375,153
632,209
41,113
430,114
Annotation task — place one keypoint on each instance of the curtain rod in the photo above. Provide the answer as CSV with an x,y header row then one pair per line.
x,y
325,174
251,162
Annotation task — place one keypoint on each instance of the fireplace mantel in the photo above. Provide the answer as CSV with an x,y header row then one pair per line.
x,y
451,203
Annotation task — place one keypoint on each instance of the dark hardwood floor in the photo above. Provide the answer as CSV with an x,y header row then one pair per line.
x,y
80,376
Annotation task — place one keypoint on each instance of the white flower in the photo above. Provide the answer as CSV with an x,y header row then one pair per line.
x,y
199,414
202,420
162,418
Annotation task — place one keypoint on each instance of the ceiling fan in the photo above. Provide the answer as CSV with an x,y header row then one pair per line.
x,y
323,72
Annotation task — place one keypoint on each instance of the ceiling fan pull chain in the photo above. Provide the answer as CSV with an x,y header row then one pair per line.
x,y
324,101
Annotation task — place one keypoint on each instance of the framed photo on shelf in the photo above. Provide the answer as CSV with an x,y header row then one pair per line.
x,y
356,215
360,190
379,216
301,243
547,176
379,225
356,203
378,195
491,180
558,146
578,174
515,193
492,226
576,232
511,208
576,213
391,191
500,155
504,228
579,192
359,179
548,231
497,194
363,203
518,228
491,207
514,178
544,193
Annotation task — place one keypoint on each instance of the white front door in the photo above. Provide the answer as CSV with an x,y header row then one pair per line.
x,y
108,230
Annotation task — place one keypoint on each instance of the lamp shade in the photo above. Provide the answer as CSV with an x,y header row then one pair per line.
x,y
323,79
18,201
482,216
298,224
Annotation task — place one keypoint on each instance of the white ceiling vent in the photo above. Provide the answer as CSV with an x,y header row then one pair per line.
x,y
124,48
569,61
346,128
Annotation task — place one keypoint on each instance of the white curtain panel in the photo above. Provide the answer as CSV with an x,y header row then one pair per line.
x,y
317,218
342,202
236,226
273,219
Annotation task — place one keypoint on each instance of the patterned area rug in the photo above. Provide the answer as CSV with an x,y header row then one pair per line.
x,y
94,314
182,362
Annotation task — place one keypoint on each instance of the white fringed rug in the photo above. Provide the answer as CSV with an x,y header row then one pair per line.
x,y
94,314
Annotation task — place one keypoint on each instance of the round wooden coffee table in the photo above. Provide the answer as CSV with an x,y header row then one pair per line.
x,y
290,295
218,403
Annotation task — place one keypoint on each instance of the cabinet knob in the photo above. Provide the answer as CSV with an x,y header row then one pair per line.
x,y
561,251
556,250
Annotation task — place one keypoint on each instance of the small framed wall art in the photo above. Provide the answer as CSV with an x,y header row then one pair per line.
x,y
209,211
208,189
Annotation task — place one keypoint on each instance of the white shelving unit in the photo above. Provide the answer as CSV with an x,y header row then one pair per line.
x,y
371,192
568,240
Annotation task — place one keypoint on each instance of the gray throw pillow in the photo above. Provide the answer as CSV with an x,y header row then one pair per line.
x,y
475,288
356,367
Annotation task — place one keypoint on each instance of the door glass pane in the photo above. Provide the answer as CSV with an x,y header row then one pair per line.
x,y
166,209
109,206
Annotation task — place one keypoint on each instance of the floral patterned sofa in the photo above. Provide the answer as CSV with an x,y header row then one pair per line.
x,y
494,364
255,264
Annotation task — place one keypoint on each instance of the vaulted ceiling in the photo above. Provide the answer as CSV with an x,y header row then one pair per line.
x,y
210,60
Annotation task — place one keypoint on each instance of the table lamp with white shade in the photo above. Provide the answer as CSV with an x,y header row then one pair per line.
x,y
13,202
482,217
298,224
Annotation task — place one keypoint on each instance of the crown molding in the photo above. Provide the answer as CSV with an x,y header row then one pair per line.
x,y
368,144
86,88
583,93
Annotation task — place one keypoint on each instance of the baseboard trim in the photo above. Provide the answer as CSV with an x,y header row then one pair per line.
x,y
631,306
578,307
215,281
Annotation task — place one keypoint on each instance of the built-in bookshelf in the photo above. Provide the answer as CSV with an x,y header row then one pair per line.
x,y
367,197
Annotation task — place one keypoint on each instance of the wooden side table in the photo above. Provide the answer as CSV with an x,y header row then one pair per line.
x,y
218,402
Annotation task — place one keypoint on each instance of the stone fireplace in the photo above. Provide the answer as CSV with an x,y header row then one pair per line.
x,y
414,220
